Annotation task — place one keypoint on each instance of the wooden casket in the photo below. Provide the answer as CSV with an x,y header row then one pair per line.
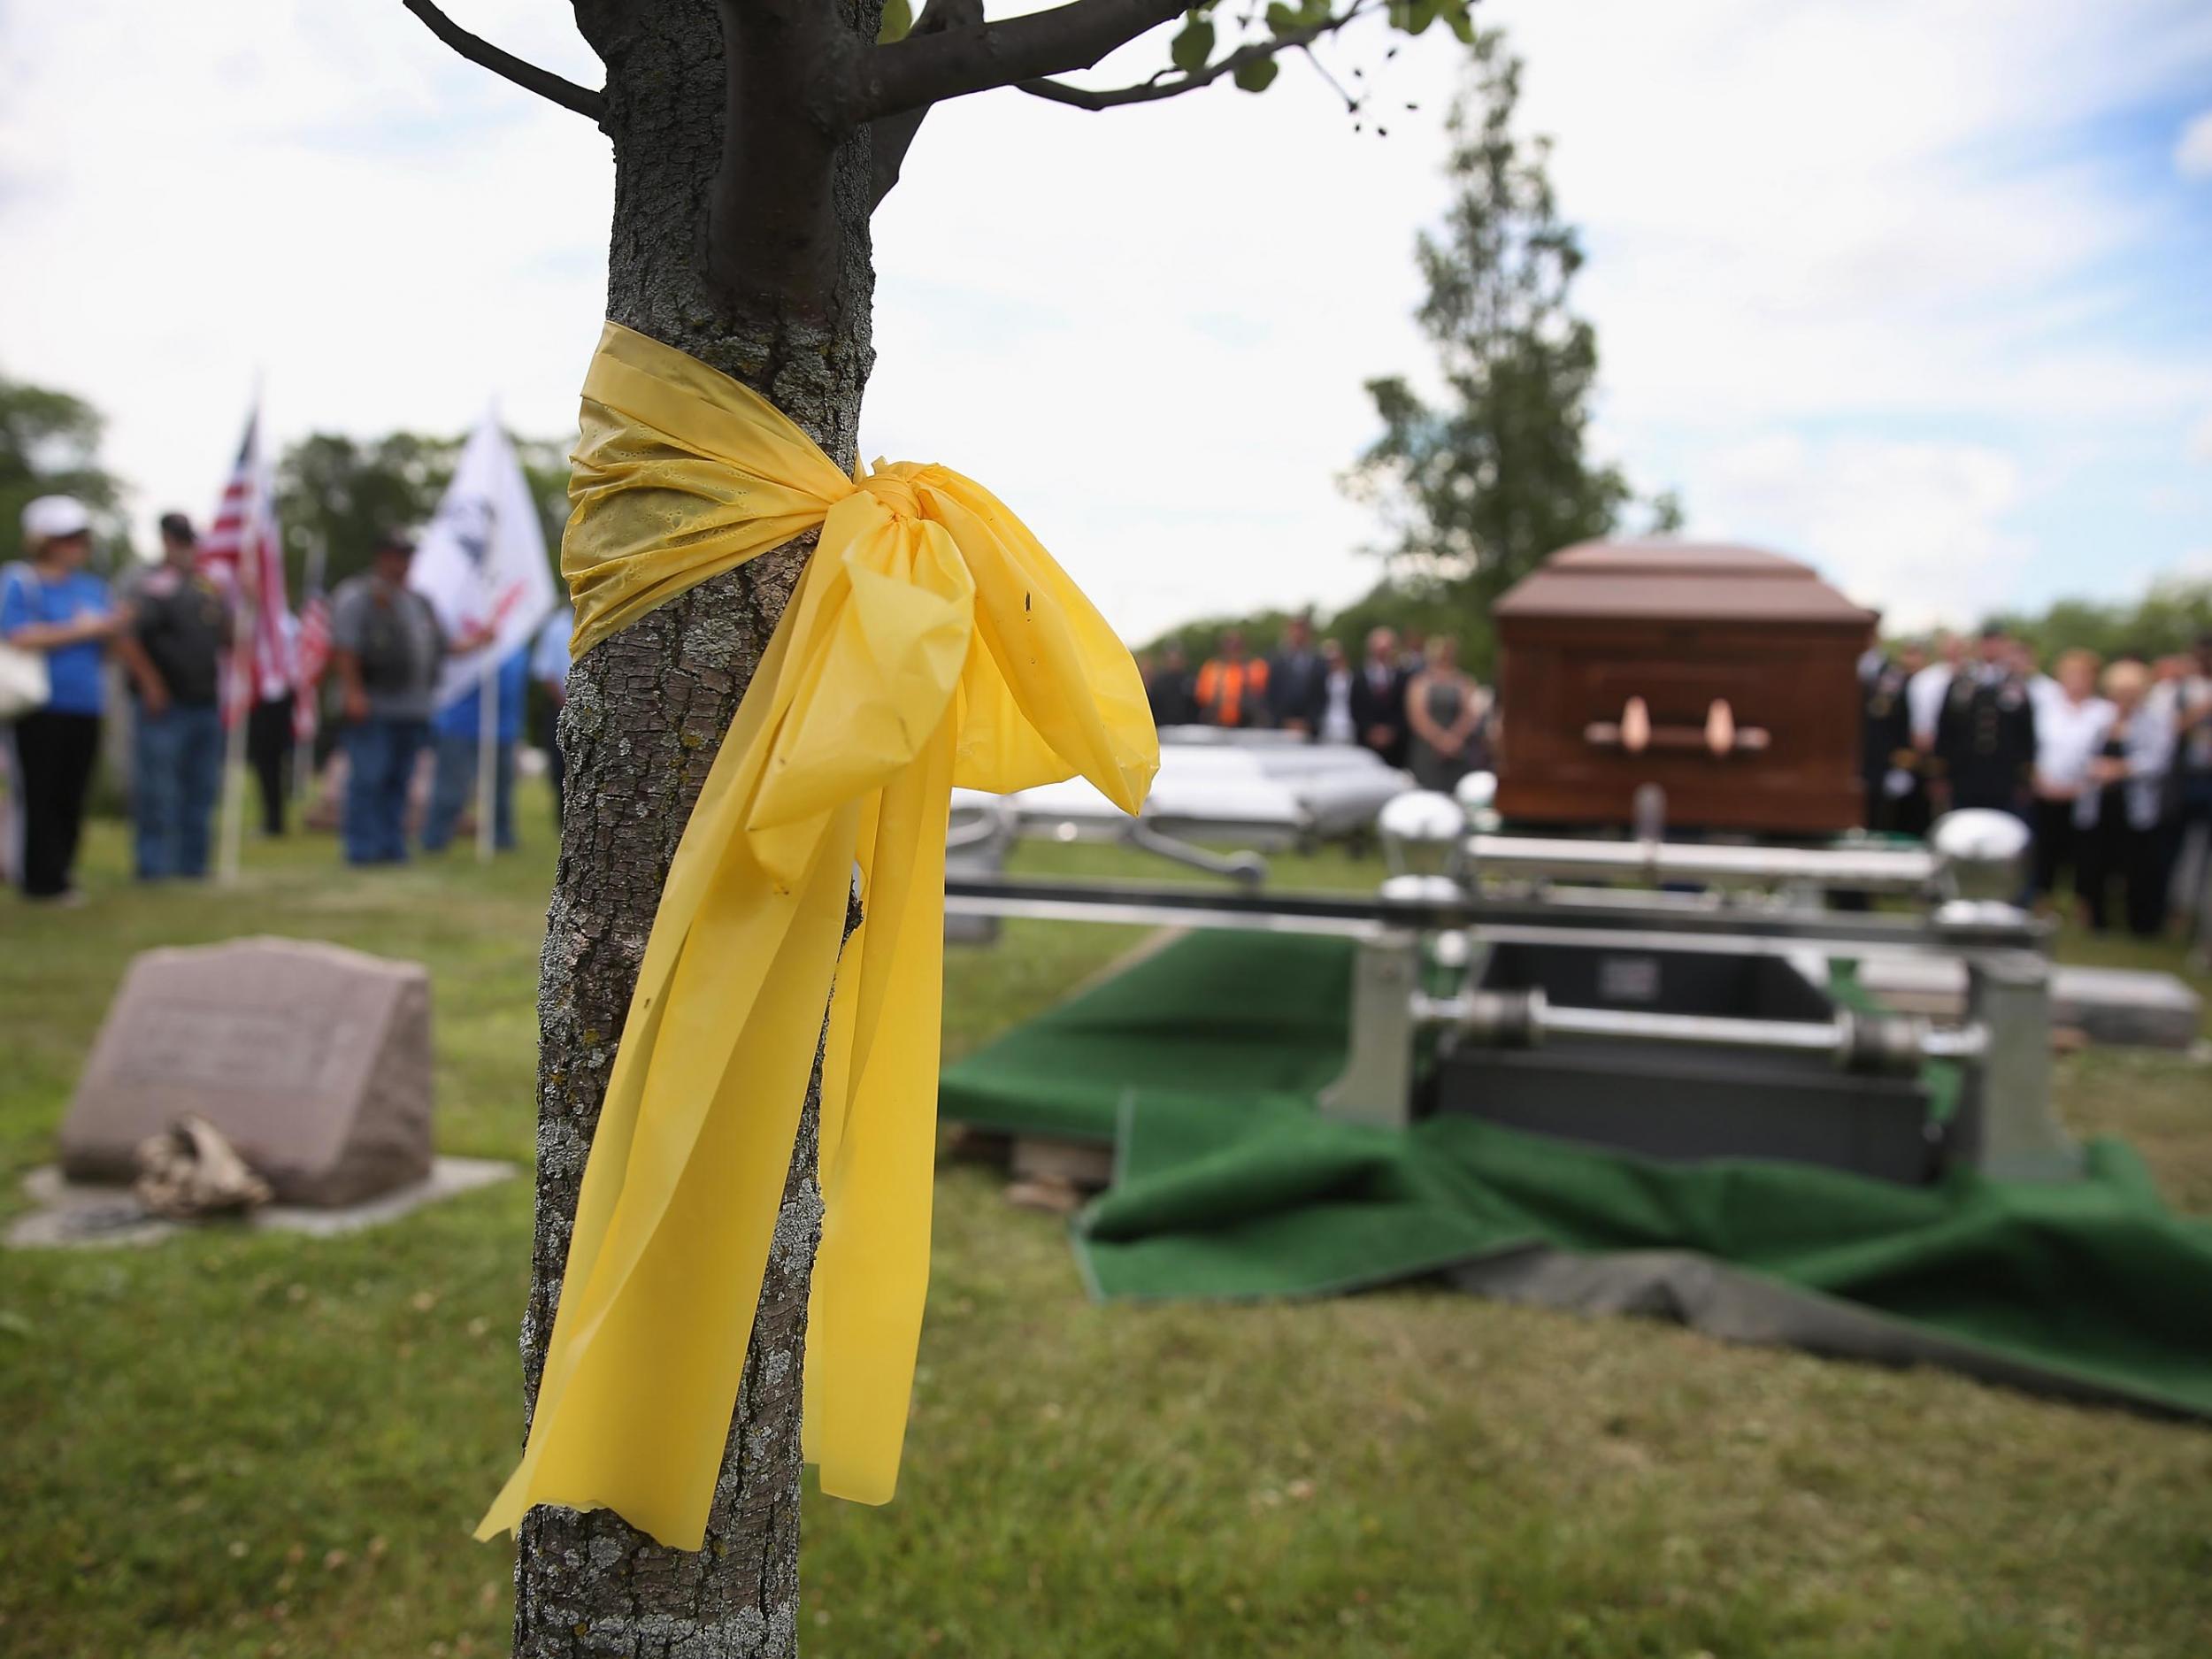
x,y
1725,675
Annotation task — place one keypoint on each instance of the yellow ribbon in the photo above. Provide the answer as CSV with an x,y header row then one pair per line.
x,y
931,643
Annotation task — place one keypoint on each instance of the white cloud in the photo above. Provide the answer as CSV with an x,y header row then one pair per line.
x,y
1825,208
2192,150
1917,530
2200,440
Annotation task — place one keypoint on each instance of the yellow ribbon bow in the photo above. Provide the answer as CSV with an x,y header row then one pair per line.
x,y
931,643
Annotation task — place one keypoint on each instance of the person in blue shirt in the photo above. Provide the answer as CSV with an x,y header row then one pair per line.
x,y
52,605
455,730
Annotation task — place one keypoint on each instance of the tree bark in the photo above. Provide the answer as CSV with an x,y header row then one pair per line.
x,y
646,714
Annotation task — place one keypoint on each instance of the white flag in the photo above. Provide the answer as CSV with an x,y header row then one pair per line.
x,y
481,562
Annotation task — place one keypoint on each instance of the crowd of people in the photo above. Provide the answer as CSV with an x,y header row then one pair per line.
x,y
1408,701
2109,763
170,627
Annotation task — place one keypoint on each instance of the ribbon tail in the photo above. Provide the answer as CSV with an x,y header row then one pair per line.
x,y
645,1367
688,1167
602,1183
872,1273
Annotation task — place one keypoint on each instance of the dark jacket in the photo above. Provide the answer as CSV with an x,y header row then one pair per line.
x,y
1885,725
1169,692
1383,705
183,622
1298,688
1984,742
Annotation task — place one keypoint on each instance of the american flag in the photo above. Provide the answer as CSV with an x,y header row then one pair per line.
x,y
243,551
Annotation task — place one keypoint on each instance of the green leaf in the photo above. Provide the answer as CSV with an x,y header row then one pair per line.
x,y
1194,46
1411,16
1283,19
1460,16
1258,75
898,18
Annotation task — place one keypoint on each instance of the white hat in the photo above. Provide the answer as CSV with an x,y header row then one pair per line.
x,y
49,517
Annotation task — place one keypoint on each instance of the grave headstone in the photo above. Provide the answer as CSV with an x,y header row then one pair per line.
x,y
313,1061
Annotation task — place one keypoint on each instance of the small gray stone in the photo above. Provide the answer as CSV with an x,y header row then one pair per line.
x,y
69,1213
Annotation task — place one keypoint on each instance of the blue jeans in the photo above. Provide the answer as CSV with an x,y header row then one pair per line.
x,y
454,785
177,768
379,762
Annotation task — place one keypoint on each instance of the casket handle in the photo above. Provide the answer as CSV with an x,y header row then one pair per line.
x,y
1635,726
1633,733
1720,726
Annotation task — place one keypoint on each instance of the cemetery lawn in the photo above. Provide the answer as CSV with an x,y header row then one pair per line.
x,y
240,1445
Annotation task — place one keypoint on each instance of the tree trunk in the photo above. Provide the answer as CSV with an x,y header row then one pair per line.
x,y
647,712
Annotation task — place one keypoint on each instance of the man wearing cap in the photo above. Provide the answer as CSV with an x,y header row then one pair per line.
x,y
50,604
180,626
385,648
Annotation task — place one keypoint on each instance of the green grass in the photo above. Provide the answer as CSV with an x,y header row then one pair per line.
x,y
244,1444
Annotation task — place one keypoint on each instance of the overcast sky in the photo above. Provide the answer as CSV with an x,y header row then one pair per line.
x,y
1920,291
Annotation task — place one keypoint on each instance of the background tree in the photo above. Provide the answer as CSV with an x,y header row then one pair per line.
x,y
2170,618
342,493
50,445
1481,488
752,141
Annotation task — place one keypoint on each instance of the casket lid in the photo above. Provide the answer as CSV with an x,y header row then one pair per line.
x,y
1678,580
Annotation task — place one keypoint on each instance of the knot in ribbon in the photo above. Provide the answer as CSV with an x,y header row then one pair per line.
x,y
931,643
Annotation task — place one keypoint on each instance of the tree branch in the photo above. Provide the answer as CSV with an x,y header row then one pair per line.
x,y
910,73
772,224
529,77
891,136
1165,86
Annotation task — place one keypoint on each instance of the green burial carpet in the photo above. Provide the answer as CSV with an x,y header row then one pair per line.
x,y
1201,1065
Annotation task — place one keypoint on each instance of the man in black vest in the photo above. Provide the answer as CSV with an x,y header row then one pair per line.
x,y
180,626
1985,742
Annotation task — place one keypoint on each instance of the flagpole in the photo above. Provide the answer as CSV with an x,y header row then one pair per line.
x,y
243,632
488,714
234,827
487,744
245,657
